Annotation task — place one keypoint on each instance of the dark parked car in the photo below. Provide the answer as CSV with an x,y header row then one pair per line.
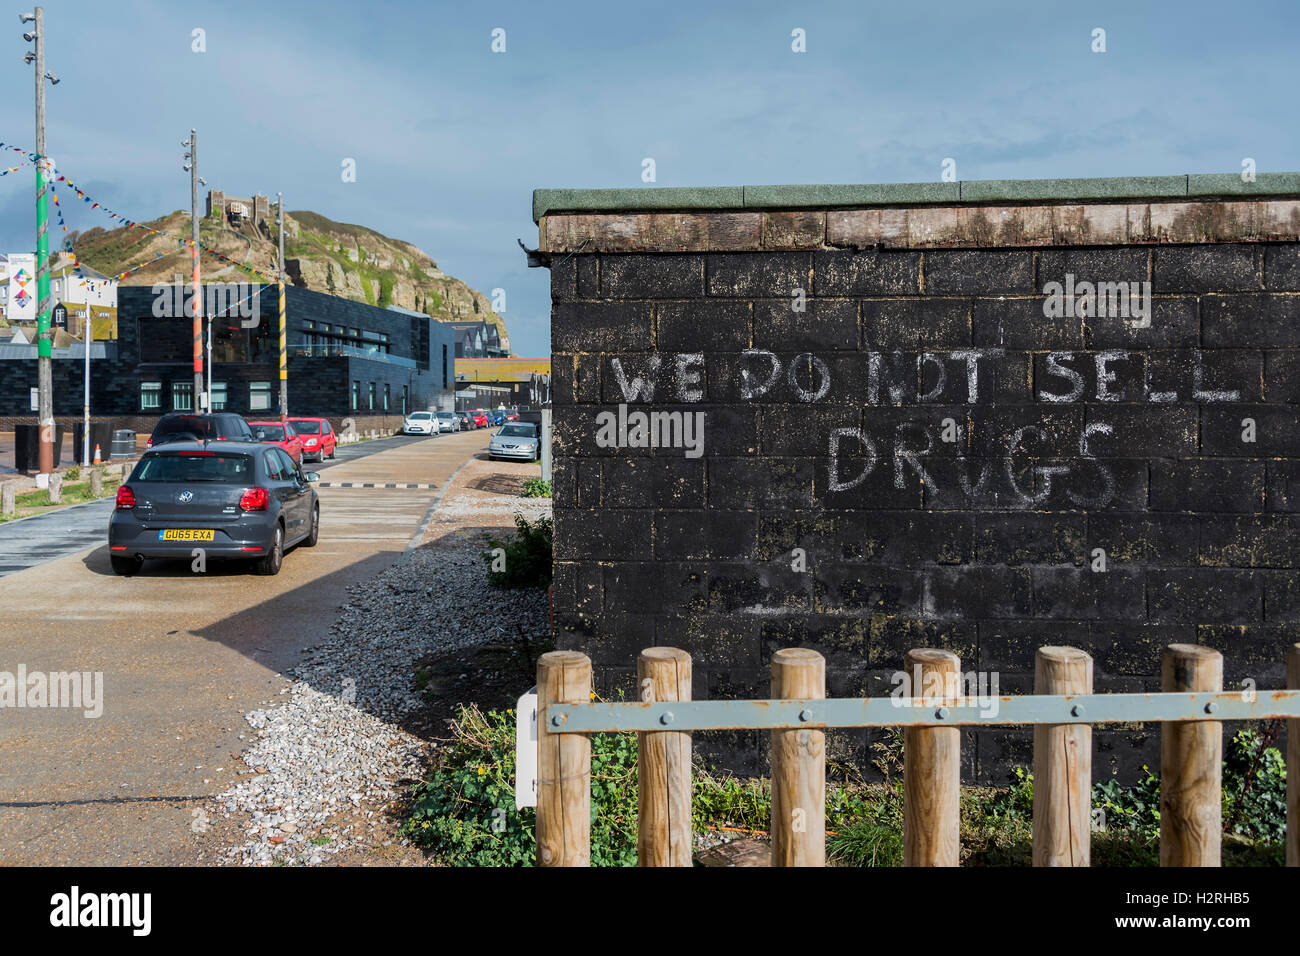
x,y
188,426
236,500
466,422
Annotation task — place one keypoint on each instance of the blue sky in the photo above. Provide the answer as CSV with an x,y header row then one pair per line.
x,y
450,139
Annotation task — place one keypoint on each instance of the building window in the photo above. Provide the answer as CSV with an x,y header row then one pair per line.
x,y
405,397
150,396
259,396
385,396
182,396
371,406
218,396
356,395
444,365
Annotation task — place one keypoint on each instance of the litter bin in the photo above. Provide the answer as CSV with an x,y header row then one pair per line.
x,y
101,434
27,446
123,443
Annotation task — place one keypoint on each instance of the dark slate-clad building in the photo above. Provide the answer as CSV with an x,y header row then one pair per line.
x,y
345,359
986,417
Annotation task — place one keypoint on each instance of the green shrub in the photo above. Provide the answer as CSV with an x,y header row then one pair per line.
x,y
464,812
527,556
72,474
537,488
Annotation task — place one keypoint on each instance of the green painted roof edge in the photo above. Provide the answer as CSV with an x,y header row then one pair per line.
x,y
709,198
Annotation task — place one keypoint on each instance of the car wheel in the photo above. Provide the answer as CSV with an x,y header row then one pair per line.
x,y
314,535
271,561
332,450
125,566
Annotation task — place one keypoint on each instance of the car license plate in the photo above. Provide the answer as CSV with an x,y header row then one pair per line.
x,y
184,534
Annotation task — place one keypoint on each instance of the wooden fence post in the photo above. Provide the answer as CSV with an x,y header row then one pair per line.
x,y
1293,765
8,498
563,764
97,482
1191,763
932,765
664,835
798,765
1062,765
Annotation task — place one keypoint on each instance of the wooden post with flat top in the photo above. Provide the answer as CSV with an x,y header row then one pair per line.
x,y
563,764
664,835
798,765
932,764
1191,763
1062,765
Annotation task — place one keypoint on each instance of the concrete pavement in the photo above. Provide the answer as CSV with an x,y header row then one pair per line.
x,y
182,656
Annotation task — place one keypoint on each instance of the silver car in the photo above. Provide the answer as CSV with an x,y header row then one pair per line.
x,y
517,440
448,422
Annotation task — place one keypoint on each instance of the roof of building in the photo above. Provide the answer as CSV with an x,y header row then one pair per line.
x,y
1191,186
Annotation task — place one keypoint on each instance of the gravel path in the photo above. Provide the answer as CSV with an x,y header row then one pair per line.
x,y
326,761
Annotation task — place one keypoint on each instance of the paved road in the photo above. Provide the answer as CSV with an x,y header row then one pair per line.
x,y
33,541
182,656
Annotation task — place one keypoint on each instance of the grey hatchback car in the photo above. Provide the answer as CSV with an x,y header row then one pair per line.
x,y
231,499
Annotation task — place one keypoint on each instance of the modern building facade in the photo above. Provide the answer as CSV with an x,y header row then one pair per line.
x,y
345,360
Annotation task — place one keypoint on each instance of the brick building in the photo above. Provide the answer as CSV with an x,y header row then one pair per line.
x,y
984,416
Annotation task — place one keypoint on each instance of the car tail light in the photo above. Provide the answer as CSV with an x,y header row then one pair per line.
x,y
125,498
149,443
253,499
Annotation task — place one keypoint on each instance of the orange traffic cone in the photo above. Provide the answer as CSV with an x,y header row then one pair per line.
x,y
98,460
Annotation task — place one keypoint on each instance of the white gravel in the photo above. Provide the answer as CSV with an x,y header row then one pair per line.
x,y
323,764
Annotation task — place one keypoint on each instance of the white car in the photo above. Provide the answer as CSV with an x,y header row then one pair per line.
x,y
448,422
517,440
420,423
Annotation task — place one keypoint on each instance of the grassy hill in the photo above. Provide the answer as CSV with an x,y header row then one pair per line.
x,y
343,259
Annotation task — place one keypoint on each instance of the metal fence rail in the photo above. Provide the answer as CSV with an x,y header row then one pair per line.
x,y
607,718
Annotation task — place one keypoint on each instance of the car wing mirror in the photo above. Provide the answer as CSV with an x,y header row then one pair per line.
x,y
312,476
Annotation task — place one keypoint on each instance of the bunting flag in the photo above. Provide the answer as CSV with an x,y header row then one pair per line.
x,y
56,176
181,242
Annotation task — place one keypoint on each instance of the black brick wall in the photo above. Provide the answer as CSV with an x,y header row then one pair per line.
x,y
1078,433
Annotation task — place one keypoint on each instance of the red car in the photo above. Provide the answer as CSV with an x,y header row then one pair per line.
x,y
478,417
512,416
318,439
279,433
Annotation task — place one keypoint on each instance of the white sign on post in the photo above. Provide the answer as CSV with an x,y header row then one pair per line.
x,y
36,399
526,750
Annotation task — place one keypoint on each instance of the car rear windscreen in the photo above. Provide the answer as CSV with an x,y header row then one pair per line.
x,y
268,432
228,469
185,424
306,428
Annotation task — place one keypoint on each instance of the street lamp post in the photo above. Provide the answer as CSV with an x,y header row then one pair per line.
x,y
44,337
